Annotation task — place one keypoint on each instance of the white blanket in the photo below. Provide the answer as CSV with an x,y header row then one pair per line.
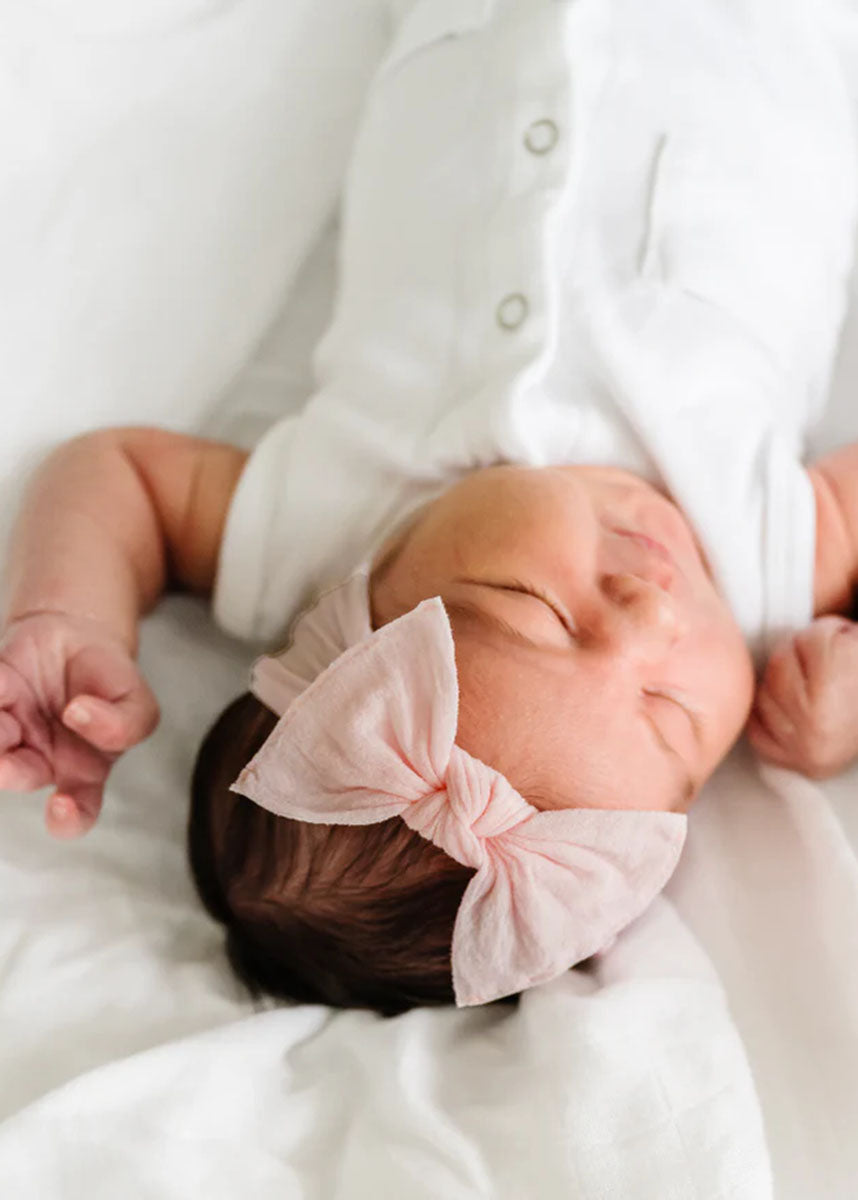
x,y
131,1066
711,1055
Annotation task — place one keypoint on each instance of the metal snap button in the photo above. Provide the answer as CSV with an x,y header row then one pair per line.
x,y
541,136
512,311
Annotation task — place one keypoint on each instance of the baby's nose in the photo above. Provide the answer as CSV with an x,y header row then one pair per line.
x,y
640,614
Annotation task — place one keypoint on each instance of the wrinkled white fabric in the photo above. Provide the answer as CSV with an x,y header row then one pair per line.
x,y
132,1065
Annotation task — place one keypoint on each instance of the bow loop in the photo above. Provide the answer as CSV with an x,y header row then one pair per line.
x,y
371,735
555,889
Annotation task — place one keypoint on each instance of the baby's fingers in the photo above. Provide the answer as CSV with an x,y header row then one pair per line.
x,y
772,717
10,732
112,725
769,747
72,816
23,769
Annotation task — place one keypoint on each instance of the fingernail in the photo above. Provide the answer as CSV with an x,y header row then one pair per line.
x,y
77,714
62,807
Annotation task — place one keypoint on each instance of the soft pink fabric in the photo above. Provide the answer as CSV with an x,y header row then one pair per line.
x,y
339,619
373,737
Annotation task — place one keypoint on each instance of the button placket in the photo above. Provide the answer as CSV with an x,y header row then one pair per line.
x,y
537,170
540,138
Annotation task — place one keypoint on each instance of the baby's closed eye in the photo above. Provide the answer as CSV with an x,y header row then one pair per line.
x,y
536,617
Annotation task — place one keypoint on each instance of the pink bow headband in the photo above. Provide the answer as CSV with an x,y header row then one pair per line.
x,y
373,737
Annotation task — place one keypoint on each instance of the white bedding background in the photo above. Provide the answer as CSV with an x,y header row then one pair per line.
x,y
712,1054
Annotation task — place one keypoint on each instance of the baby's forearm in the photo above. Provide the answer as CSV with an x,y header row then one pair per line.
x,y
87,540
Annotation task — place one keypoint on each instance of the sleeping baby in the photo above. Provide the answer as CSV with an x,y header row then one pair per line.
x,y
516,559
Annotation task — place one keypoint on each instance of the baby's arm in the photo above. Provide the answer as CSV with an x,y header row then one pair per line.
x,y
806,710
109,522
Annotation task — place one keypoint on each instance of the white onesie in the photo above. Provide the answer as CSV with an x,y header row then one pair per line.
x,y
596,231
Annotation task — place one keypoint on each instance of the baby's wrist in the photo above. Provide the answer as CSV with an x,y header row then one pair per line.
x,y
83,620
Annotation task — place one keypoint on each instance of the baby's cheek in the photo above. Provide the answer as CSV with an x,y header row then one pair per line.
x,y
722,679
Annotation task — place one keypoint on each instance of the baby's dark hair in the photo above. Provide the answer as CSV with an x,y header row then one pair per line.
x,y
355,916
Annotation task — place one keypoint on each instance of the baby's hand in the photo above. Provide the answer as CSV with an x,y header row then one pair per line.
x,y
805,714
72,699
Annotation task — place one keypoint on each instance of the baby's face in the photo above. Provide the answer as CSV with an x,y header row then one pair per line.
x,y
598,664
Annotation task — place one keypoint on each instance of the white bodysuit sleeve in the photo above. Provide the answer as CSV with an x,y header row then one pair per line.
x,y
249,536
